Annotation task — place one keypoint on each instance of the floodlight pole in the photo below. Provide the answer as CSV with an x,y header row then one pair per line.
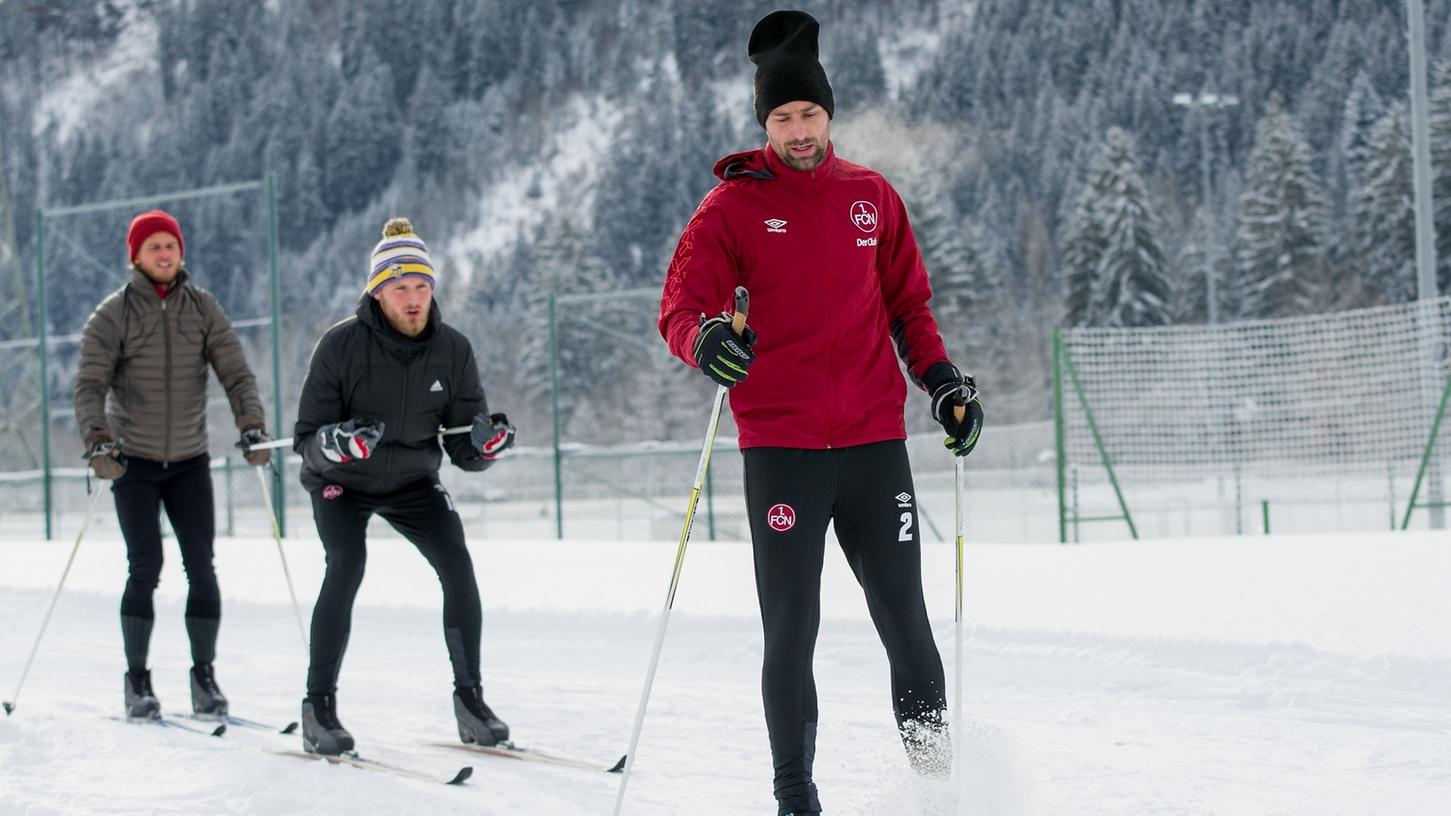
x,y
1425,228
1205,101
1421,150
41,351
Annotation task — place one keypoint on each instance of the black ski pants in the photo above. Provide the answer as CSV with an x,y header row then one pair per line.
x,y
866,491
424,513
184,489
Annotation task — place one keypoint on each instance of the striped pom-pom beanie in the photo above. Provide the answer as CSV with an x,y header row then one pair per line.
x,y
401,253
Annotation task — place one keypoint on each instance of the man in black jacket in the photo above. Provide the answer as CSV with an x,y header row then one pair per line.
x,y
379,387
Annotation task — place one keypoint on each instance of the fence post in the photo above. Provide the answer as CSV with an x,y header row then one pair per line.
x,y
1426,457
1098,442
1077,511
1265,513
1238,499
1058,434
1391,484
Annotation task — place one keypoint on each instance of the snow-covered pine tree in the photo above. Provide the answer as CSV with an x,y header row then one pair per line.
x,y
1383,213
1129,286
946,240
1083,247
1363,108
1113,257
1440,127
1280,239
361,153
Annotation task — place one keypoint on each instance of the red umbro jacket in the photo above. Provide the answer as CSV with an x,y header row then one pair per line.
x,y
835,278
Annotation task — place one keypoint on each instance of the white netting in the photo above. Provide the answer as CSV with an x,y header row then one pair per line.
x,y
1332,410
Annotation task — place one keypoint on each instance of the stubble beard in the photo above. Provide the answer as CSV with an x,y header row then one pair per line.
x,y
408,327
805,164
151,275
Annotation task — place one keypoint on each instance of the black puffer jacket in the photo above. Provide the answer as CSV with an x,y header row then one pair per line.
x,y
363,369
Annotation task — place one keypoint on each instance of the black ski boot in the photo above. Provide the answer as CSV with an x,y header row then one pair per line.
x,y
477,723
207,701
141,702
321,731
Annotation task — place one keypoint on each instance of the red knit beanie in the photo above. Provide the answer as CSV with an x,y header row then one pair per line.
x,y
148,224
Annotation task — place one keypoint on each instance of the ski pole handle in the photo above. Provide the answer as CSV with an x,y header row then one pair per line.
x,y
287,442
743,305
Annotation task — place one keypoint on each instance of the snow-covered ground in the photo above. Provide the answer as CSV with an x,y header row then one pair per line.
x,y
1265,675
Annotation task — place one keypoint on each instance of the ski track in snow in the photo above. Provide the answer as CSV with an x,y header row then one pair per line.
x,y
1067,715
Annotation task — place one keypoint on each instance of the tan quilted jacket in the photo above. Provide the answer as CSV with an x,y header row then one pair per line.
x,y
151,356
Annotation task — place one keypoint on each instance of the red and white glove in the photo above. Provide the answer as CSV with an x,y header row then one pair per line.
x,y
346,441
491,435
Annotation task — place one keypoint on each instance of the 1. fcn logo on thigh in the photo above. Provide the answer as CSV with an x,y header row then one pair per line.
x,y
781,517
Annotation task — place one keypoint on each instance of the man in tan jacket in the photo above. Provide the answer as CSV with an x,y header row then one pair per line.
x,y
149,345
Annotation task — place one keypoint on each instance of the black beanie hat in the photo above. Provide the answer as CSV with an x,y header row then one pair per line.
x,y
783,47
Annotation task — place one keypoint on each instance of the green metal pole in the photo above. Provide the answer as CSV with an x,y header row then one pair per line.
x,y
1265,514
554,411
1059,446
1391,484
1098,442
1426,457
1238,499
280,505
1077,511
145,201
44,372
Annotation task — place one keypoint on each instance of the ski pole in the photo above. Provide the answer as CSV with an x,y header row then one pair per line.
x,y
287,442
277,537
9,705
961,413
957,718
738,323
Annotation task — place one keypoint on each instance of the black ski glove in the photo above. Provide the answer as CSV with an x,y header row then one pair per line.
x,y
721,355
491,435
346,441
951,389
255,436
105,456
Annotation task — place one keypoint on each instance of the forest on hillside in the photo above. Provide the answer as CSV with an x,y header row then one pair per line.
x,y
559,147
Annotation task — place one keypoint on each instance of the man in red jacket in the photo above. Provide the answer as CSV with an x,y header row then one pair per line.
x,y
836,280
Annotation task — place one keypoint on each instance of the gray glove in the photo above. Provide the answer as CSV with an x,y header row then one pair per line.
x,y
255,436
106,458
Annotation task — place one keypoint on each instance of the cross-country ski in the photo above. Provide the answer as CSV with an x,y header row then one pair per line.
x,y
353,760
511,751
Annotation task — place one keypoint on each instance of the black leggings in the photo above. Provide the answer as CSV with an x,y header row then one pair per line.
x,y
423,512
791,496
184,489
